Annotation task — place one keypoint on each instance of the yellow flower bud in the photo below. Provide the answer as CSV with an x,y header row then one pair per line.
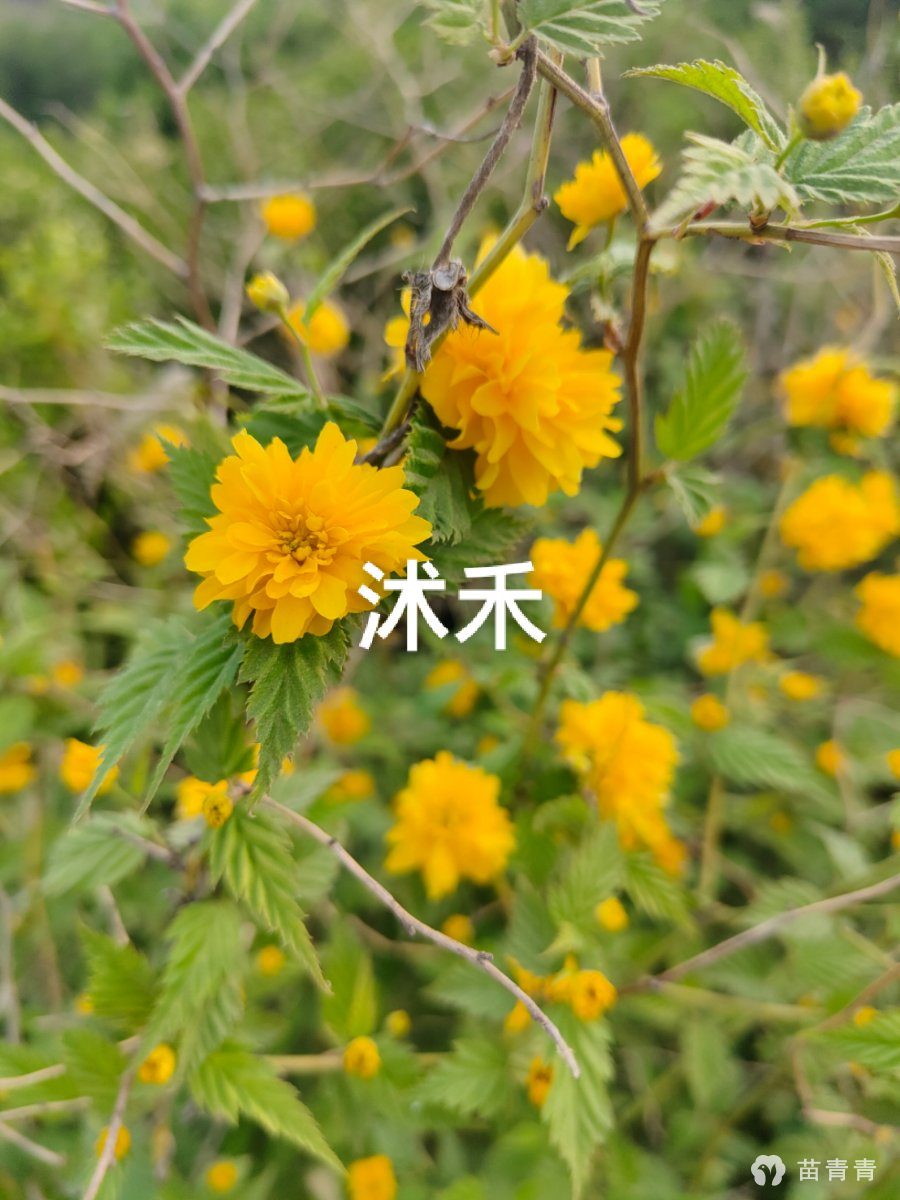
x,y
398,1023
459,927
159,1065
709,713
289,217
268,293
217,807
270,961
864,1015
539,1080
150,547
123,1142
611,914
221,1176
361,1058
828,106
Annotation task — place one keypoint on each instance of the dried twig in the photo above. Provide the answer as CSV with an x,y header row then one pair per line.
x,y
216,40
416,928
789,233
107,1154
48,1157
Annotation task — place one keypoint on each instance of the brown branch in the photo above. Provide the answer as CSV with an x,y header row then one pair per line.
x,y
766,929
216,40
787,233
416,928
511,122
119,217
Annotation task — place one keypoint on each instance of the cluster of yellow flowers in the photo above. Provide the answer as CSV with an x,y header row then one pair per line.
x,y
291,536
836,524
628,763
450,825
562,569
835,390
588,993
533,404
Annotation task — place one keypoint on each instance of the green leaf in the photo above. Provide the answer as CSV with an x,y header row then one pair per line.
x,y
876,1045
456,21
727,85
443,482
352,1008
200,997
232,1083
96,1065
590,873
253,856
578,1112
121,982
860,166
287,681
754,758
699,413
582,27
694,488
473,1079
95,853
185,342
337,268
654,891
725,173
192,474
206,668
493,537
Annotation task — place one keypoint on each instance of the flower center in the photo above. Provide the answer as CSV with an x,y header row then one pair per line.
x,y
303,536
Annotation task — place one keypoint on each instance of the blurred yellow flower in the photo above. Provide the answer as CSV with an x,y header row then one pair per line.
x,y
221,1176
879,616
291,536
190,793
893,761
781,822
290,216
372,1179
150,455
829,757
799,685
67,673
562,569
270,961
398,1023
326,333
591,994
122,1145
449,825
835,390
459,927
847,444
734,643
864,1015
596,194
539,1081
772,584
828,106
266,292
611,914
530,400
627,762
342,718
16,768
837,524
709,713
517,1019
150,547
217,805
463,698
714,522
352,785
159,1065
361,1058
79,763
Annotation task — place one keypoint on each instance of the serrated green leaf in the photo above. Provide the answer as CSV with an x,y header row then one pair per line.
x,y
200,995
654,891
699,413
578,1112
474,1078
725,173
694,488
755,758
121,983
352,1008
860,166
207,667
185,342
96,853
252,854
96,1066
456,21
286,683
582,27
462,987
590,873
492,537
727,85
232,1083
875,1045
337,268
192,474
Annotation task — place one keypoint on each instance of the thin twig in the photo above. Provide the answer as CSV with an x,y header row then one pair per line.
x,y
416,928
42,1075
10,994
119,217
216,40
48,1157
44,1108
769,928
787,233
511,123
107,1154
91,6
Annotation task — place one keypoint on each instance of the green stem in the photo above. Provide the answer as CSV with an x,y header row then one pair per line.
x,y
311,377
789,149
